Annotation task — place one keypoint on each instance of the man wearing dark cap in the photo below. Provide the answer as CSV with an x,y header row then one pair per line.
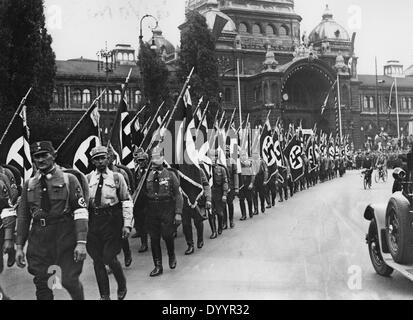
x,y
141,167
233,185
53,202
110,221
219,192
164,209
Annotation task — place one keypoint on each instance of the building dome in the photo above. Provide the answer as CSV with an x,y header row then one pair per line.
x,y
162,44
328,29
211,15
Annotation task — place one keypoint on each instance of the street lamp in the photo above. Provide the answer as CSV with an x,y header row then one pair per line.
x,y
153,45
107,64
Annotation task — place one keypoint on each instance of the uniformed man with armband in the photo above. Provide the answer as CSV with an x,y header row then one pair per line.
x,y
233,184
139,212
110,222
53,202
164,204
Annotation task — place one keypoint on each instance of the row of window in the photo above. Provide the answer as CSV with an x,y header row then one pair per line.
x,y
257,29
83,97
369,103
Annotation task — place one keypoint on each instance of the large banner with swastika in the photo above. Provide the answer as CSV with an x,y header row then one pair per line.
x,y
293,153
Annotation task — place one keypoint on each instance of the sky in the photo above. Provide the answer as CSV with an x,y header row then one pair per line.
x,y
83,27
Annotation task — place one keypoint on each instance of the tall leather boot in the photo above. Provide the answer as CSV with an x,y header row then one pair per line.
x,y
250,208
225,218
231,214
157,257
220,218
120,278
144,244
255,202
212,223
170,247
102,280
243,210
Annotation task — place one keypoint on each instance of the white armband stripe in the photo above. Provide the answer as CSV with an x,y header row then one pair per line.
x,y
127,211
81,214
8,212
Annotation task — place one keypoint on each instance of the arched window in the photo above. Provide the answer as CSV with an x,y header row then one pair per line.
x,y
274,92
270,30
138,96
228,95
345,96
366,103
77,97
256,29
284,30
125,56
131,57
404,103
410,104
116,96
55,97
371,103
255,94
86,96
119,56
243,28
108,97
267,95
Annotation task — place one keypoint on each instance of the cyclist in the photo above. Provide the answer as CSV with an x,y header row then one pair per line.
x,y
368,166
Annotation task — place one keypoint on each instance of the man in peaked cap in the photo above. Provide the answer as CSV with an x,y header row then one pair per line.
x,y
164,204
110,221
53,202
141,166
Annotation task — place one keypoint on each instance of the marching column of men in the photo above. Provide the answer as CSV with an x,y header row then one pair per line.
x,y
62,215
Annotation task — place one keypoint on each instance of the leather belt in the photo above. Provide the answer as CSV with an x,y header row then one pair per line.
x,y
44,222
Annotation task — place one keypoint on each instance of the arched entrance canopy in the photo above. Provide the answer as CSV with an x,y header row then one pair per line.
x,y
305,86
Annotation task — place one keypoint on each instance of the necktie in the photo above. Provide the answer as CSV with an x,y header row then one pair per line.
x,y
98,196
156,182
44,198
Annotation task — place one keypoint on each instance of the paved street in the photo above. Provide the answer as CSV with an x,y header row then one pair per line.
x,y
302,249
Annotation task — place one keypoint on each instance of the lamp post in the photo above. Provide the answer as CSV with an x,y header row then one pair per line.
x,y
107,64
153,46
222,93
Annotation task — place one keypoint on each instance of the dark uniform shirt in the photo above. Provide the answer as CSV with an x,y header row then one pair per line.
x,y
61,197
219,180
164,186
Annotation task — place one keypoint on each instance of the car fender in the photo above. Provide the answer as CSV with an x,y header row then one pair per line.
x,y
378,212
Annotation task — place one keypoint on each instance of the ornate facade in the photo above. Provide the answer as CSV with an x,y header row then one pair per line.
x,y
280,69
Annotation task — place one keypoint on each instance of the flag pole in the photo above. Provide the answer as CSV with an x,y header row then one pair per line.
x,y
202,118
180,97
152,122
339,105
198,106
81,119
22,102
239,93
397,109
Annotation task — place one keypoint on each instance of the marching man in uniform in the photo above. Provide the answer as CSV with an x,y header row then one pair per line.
x,y
110,222
164,209
53,201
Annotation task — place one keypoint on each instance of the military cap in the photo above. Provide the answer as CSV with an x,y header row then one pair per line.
x,y
157,151
42,147
213,153
141,154
98,151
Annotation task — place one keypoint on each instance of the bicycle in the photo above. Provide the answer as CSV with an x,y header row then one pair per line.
x,y
381,174
367,178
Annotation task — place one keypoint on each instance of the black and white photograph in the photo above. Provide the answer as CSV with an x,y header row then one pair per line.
x,y
212,151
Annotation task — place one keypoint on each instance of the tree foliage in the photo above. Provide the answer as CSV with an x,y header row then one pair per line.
x,y
155,79
26,57
198,51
